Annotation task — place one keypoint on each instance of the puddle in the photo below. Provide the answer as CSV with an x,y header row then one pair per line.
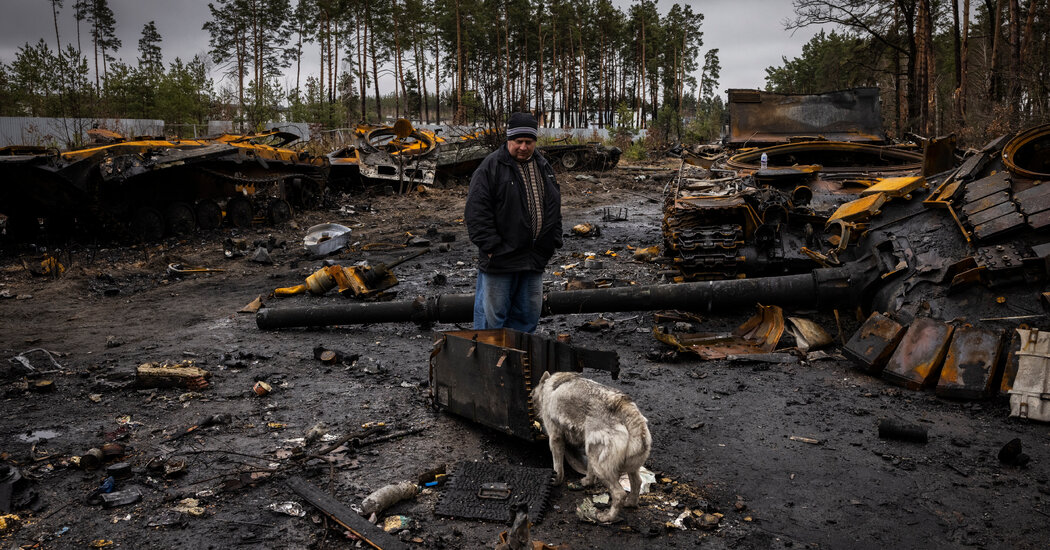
x,y
38,435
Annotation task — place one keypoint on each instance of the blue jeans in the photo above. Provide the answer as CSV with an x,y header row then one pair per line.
x,y
508,300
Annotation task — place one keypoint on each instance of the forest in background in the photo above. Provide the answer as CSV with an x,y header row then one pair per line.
x,y
977,68
575,64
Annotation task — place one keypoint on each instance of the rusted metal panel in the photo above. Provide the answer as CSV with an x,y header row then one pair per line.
x,y
487,375
971,367
763,118
983,187
1034,199
938,155
1010,365
1040,220
994,199
985,216
916,362
998,226
872,344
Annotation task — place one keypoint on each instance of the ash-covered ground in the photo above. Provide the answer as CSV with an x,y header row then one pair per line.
x,y
779,455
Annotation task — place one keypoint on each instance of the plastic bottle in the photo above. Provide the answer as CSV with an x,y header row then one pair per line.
x,y
765,161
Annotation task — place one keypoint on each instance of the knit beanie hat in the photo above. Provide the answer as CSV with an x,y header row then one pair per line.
x,y
521,125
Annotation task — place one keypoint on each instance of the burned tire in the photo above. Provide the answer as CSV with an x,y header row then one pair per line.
x,y
179,219
209,214
239,212
147,225
569,160
278,211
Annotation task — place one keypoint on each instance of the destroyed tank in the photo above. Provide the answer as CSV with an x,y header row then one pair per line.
x,y
937,267
404,156
737,215
148,188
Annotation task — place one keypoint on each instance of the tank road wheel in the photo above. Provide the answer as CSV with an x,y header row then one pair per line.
x,y
278,211
179,219
305,193
147,224
209,214
239,212
569,160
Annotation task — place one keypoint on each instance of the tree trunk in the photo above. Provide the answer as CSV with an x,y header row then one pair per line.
x,y
437,79
375,61
1014,71
995,82
399,79
460,110
964,60
54,14
362,64
506,44
539,72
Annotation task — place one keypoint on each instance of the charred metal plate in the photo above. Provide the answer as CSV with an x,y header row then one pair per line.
x,y
1040,220
916,362
994,199
873,343
1007,256
971,366
996,183
972,165
759,117
1034,203
487,376
1037,190
998,211
468,493
999,226
1010,365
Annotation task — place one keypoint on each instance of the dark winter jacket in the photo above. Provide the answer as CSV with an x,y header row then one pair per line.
x,y
497,217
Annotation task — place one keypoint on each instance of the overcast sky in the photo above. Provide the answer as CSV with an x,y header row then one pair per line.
x,y
749,34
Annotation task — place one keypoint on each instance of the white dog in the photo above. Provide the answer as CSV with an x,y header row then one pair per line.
x,y
581,414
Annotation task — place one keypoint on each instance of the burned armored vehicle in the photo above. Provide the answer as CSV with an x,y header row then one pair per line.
x,y
591,156
147,188
403,156
790,162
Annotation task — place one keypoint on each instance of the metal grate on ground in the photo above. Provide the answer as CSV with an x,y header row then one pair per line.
x,y
470,493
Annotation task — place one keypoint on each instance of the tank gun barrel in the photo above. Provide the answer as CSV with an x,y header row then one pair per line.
x,y
838,286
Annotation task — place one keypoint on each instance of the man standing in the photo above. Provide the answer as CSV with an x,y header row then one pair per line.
x,y
513,216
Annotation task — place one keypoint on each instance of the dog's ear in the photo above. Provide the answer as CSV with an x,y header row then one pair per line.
x,y
546,375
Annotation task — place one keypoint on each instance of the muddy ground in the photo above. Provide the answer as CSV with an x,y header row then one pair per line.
x,y
787,455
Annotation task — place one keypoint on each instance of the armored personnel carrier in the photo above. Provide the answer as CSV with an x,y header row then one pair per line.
x,y
146,188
